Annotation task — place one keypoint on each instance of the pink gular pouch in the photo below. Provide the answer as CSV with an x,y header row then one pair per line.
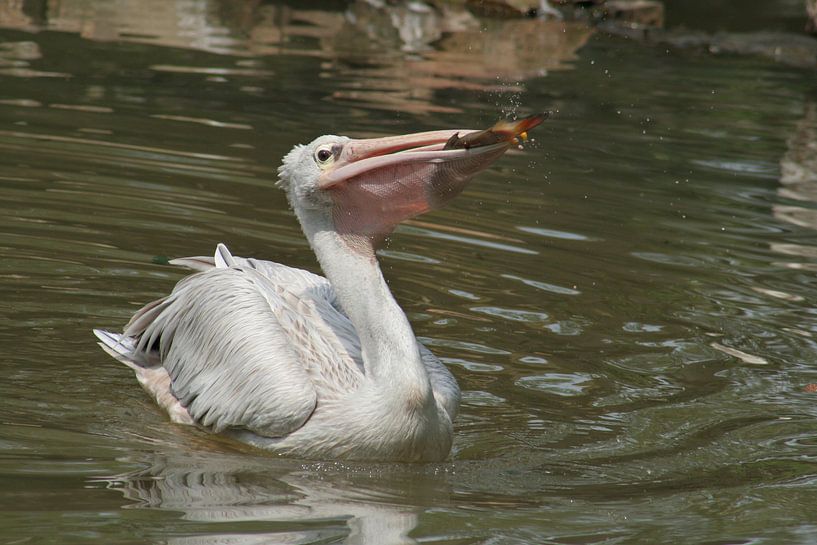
x,y
377,183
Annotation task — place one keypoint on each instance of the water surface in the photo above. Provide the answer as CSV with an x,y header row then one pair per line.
x,y
627,303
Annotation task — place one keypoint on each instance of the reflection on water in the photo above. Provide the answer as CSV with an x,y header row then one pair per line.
x,y
405,52
222,489
798,173
627,303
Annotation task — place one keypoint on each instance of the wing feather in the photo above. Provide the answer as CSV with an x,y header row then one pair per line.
x,y
229,361
250,344
197,263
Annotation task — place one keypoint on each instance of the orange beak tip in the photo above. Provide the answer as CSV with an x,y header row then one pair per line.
x,y
532,121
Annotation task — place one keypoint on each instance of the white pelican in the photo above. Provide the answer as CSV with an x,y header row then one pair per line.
x,y
306,366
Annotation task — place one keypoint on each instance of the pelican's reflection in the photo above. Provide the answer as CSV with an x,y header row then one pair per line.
x,y
369,504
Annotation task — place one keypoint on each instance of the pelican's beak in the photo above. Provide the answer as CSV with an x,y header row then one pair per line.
x,y
379,182
359,157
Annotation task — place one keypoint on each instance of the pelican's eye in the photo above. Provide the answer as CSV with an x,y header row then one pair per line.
x,y
324,155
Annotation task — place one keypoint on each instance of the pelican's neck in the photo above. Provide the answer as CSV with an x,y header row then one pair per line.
x,y
390,351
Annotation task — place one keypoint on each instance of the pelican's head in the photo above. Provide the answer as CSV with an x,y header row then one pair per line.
x,y
366,187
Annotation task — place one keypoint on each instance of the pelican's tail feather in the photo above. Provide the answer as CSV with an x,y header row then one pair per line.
x,y
151,375
120,347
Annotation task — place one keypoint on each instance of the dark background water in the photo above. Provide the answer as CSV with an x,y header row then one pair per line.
x,y
628,304
736,15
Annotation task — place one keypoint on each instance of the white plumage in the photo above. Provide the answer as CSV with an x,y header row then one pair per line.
x,y
299,364
286,343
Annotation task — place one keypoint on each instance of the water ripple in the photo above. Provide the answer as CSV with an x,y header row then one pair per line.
x,y
553,233
513,315
560,384
544,286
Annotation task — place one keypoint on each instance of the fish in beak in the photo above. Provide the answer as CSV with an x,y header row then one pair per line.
x,y
377,183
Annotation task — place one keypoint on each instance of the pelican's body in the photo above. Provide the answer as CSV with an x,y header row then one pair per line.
x,y
302,365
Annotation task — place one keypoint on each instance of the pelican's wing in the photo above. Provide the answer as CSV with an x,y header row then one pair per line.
x,y
302,284
244,350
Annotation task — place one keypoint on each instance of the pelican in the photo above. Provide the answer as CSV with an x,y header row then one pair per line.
x,y
307,366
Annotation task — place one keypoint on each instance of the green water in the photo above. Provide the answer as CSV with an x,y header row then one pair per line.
x,y
628,304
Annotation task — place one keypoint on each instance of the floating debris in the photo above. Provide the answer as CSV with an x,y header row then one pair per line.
x,y
743,356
